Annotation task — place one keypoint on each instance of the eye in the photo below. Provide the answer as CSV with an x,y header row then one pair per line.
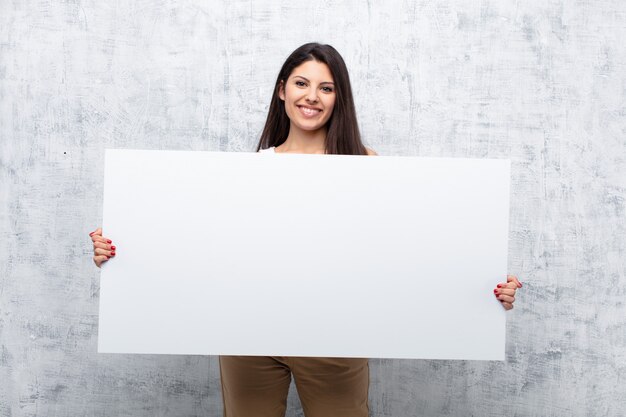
x,y
328,89
300,83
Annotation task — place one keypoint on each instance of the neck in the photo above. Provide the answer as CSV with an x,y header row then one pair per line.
x,y
304,141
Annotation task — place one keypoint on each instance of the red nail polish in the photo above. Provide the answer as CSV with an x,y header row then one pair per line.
x,y
108,241
499,286
91,234
113,247
495,291
112,253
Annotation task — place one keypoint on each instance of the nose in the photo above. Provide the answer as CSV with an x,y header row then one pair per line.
x,y
311,96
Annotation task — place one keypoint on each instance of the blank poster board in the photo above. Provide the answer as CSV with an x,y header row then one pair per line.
x,y
304,255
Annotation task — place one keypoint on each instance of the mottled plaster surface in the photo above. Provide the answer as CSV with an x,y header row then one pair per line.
x,y
539,82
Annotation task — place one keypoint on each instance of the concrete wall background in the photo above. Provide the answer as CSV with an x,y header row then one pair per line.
x,y
540,82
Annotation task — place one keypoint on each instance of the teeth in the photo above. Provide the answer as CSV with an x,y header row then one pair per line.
x,y
308,111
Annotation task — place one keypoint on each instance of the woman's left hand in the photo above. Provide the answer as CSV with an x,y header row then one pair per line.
x,y
505,291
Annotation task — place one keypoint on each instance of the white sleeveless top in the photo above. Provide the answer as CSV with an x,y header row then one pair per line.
x,y
268,150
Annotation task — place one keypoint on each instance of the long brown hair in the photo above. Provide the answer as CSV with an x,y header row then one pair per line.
x,y
342,135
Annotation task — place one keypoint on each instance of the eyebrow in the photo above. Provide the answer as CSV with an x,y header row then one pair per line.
x,y
307,80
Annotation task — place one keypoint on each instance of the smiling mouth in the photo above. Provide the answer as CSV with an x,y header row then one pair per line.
x,y
309,111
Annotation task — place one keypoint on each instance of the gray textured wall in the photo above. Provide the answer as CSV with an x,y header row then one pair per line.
x,y
540,82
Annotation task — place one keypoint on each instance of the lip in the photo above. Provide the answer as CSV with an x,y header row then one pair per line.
x,y
301,107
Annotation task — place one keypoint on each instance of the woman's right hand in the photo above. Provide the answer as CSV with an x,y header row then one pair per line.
x,y
102,248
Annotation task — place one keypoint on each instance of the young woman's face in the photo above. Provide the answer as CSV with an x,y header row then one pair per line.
x,y
309,95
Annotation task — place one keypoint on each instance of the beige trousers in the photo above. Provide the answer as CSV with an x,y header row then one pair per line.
x,y
257,386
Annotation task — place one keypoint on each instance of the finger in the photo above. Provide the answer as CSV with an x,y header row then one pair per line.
x,y
109,253
98,231
102,245
513,278
98,260
505,291
96,238
507,306
507,285
506,298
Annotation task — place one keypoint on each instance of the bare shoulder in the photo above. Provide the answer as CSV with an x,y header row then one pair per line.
x,y
371,151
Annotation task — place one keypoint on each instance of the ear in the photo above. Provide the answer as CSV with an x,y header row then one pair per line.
x,y
281,90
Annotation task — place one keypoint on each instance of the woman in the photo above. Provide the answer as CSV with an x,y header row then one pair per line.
x,y
312,112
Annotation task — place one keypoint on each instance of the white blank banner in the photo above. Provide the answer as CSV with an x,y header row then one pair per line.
x,y
304,255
